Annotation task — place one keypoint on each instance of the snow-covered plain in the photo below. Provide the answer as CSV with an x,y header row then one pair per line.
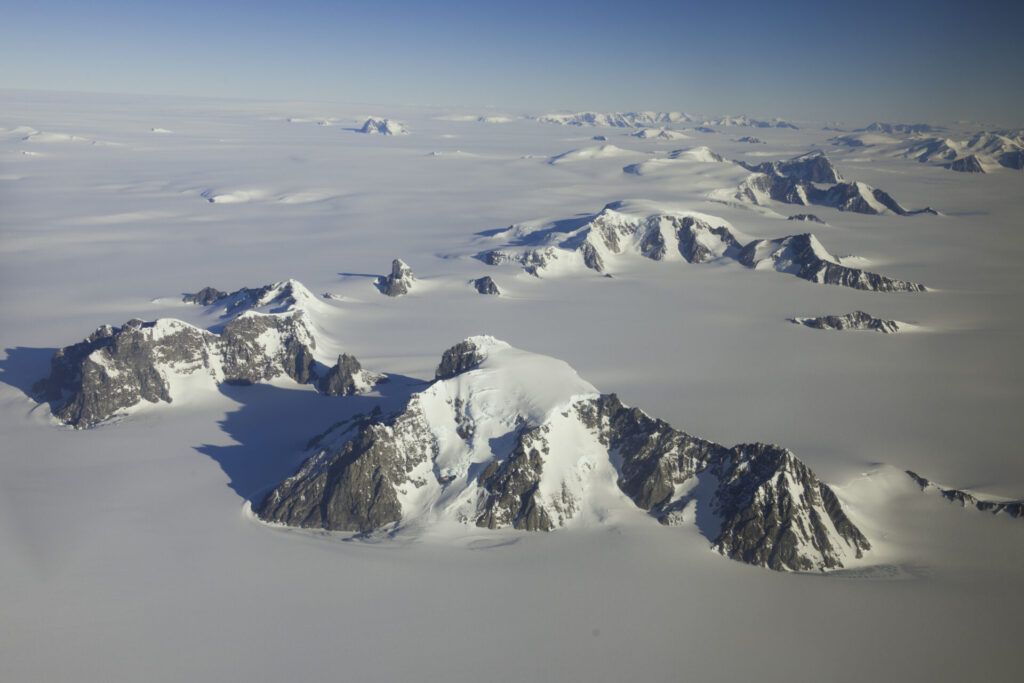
x,y
127,552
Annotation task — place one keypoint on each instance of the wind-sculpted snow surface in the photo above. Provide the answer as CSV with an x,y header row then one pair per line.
x,y
506,438
549,249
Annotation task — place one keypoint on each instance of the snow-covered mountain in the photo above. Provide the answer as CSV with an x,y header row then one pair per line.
x,y
814,167
381,126
660,134
270,333
983,152
629,119
508,438
676,157
858,320
805,257
606,151
746,121
797,180
545,248
898,128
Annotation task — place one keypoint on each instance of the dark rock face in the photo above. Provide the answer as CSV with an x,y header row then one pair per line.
x,y
844,196
398,282
771,508
1013,508
691,233
355,486
967,164
117,368
858,320
207,296
1013,159
343,378
485,285
807,217
898,128
460,358
798,255
705,129
812,167
751,140
510,487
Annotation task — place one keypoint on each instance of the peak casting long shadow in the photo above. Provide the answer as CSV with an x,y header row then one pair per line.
x,y
23,366
273,426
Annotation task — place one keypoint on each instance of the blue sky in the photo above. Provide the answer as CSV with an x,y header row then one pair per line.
x,y
939,60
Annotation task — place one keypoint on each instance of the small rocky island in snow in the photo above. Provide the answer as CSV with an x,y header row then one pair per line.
x,y
858,320
485,285
380,126
507,438
397,283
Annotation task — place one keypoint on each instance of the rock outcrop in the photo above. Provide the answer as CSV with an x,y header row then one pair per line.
x,y
485,285
1012,508
117,368
399,282
858,320
508,439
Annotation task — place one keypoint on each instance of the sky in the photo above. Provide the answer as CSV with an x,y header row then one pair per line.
x,y
941,60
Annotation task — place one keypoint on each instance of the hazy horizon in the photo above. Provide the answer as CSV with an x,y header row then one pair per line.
x,y
915,61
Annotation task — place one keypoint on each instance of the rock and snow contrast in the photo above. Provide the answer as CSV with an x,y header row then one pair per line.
x,y
116,369
983,152
381,126
398,282
858,320
797,181
631,119
485,285
508,438
660,134
1011,508
746,121
546,249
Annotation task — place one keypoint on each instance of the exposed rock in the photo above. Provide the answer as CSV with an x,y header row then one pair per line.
x,y
616,119
751,140
762,188
118,368
485,285
507,439
811,167
968,164
1013,508
207,296
705,129
460,358
344,378
399,282
899,128
806,258
1012,159
858,320
380,126
806,217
